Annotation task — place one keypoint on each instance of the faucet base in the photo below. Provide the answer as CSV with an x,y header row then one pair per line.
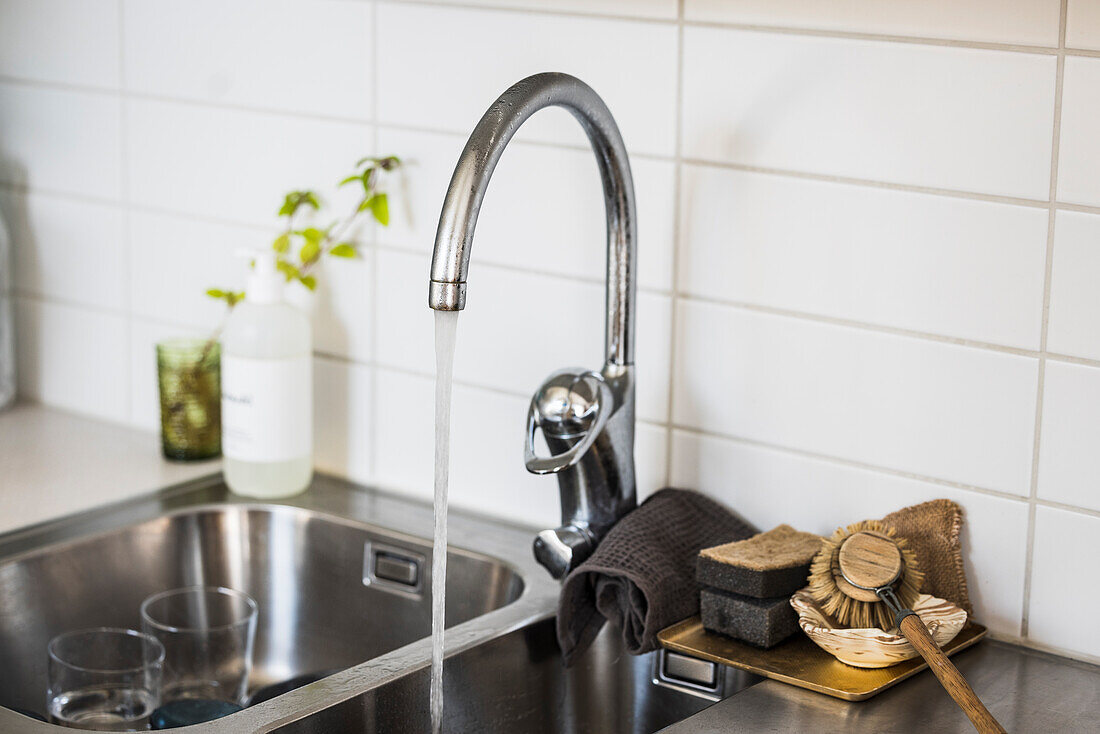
x,y
563,549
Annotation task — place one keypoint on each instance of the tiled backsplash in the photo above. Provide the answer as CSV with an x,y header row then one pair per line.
x,y
869,243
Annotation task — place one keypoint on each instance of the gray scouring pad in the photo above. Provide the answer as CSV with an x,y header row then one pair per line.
x,y
765,566
761,622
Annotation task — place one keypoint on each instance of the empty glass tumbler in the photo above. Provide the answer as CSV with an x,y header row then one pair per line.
x,y
207,633
104,679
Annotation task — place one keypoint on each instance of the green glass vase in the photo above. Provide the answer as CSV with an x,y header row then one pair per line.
x,y
189,378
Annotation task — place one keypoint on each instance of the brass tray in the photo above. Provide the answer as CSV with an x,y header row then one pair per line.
x,y
800,662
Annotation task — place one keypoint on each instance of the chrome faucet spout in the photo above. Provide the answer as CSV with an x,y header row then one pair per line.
x,y
455,234
586,417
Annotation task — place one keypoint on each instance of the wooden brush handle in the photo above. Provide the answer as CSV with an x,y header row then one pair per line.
x,y
950,677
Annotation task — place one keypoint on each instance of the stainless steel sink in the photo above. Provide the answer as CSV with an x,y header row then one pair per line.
x,y
516,684
342,578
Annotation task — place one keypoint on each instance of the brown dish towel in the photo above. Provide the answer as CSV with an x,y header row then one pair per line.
x,y
932,529
642,575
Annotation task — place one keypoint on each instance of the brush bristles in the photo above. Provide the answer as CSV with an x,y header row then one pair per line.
x,y
853,612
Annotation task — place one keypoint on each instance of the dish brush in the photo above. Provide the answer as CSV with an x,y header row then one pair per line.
x,y
865,575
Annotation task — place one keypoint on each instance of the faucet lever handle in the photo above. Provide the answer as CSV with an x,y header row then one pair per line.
x,y
570,406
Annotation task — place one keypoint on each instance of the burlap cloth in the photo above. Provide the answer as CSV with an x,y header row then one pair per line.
x,y
641,577
932,529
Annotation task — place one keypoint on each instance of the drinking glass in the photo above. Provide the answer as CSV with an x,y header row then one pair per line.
x,y
207,633
104,679
189,381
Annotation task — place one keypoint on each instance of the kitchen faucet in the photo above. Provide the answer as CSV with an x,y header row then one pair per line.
x,y
586,417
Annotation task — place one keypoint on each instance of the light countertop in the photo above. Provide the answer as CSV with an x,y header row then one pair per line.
x,y
54,463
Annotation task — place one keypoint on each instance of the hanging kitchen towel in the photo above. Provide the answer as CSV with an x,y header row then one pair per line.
x,y
641,577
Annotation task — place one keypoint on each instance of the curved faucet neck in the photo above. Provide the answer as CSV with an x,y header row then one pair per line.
x,y
454,236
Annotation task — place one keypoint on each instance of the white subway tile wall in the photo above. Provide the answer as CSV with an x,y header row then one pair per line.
x,y
1069,462
869,237
897,259
63,140
271,54
1065,545
68,41
74,357
70,250
1080,154
1083,25
1022,21
1074,326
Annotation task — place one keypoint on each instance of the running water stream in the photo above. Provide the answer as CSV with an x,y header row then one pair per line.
x,y
446,324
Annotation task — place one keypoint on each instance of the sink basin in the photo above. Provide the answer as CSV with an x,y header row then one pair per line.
x,y
516,684
342,579
305,568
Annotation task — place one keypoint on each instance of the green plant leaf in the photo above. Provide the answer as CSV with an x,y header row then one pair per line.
x,y
309,282
281,243
380,208
287,268
365,203
344,249
390,162
234,297
290,204
215,293
311,199
349,179
310,251
312,234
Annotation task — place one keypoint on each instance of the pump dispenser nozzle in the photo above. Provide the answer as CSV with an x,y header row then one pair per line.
x,y
265,282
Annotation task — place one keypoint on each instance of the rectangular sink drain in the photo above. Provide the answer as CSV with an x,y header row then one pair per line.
x,y
689,674
392,569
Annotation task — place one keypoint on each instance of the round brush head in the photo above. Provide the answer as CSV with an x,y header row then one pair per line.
x,y
856,560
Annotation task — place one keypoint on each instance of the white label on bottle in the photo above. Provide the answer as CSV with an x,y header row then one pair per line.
x,y
267,408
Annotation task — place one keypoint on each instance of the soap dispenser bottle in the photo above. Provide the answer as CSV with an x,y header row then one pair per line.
x,y
267,389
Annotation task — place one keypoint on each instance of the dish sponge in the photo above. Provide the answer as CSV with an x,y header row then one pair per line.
x,y
760,622
766,566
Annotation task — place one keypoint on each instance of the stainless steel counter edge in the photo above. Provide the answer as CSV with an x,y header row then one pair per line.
x,y
342,501
1028,691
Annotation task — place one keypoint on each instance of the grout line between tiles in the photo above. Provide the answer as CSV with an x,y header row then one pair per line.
x,y
677,226
1023,48
1055,147
1067,507
848,463
182,100
872,183
541,11
1026,48
783,173
861,325
127,234
1063,206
